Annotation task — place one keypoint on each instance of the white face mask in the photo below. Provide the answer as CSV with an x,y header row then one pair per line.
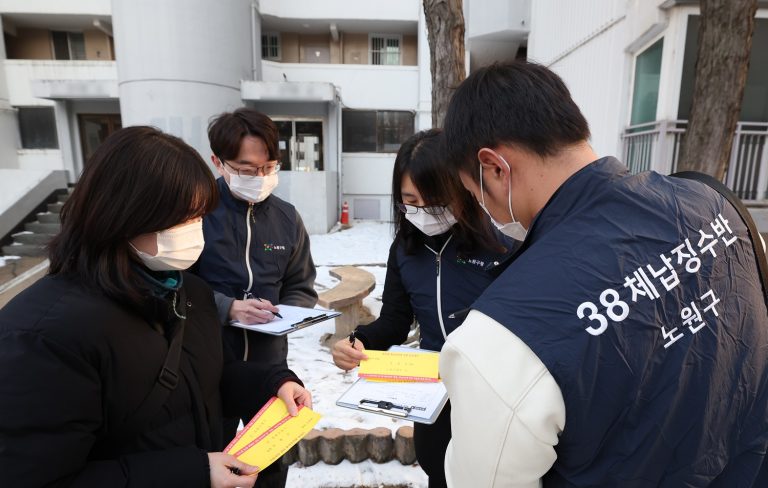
x,y
177,248
430,225
514,229
253,189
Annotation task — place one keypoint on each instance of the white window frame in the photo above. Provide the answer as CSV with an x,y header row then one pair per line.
x,y
270,35
386,37
634,74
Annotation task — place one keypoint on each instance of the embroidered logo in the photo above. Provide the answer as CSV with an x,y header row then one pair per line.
x,y
269,247
475,262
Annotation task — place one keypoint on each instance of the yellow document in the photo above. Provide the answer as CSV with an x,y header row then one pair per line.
x,y
271,433
400,366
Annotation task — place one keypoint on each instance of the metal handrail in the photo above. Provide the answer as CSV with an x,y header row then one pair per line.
x,y
656,145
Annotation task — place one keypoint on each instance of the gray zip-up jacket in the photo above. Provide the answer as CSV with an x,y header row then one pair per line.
x,y
260,248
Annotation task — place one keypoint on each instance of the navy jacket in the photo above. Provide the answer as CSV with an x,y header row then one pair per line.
x,y
647,308
261,248
430,285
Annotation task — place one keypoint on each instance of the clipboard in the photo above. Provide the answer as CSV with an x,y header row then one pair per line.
x,y
417,402
294,318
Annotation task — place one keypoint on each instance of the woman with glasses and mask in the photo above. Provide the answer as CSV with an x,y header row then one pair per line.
x,y
444,255
256,252
111,367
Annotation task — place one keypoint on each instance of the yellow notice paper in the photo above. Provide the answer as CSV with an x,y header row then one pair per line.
x,y
400,366
270,433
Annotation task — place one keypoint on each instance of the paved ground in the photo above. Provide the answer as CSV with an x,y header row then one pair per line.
x,y
11,269
15,267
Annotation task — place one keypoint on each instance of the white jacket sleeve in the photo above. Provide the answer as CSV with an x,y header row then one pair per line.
x,y
506,408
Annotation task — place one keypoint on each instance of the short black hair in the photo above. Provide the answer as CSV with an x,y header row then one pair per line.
x,y
139,180
227,130
422,158
520,103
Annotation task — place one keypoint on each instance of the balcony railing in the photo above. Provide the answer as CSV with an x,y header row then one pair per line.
x,y
656,146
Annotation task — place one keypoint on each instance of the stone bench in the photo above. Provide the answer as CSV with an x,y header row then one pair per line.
x,y
347,297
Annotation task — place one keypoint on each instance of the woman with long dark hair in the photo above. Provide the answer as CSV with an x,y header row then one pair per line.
x,y
441,260
111,367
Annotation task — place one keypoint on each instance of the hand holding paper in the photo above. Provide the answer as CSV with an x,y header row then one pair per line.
x,y
271,432
294,395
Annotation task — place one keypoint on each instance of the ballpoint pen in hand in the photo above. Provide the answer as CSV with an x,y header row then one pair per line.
x,y
251,295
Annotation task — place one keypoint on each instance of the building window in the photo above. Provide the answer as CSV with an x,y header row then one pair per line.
x,y
375,131
38,128
68,45
270,46
645,95
385,49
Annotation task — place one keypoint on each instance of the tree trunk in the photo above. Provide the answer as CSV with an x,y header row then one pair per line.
x,y
722,61
445,31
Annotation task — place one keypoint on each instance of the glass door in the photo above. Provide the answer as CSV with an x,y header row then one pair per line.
x,y
300,142
94,128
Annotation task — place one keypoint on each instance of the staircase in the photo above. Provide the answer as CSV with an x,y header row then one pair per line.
x,y
38,233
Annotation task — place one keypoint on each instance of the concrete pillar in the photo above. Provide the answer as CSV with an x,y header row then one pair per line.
x,y
424,110
64,132
180,62
9,127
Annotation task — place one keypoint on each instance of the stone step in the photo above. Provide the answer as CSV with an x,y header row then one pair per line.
x,y
41,228
55,207
24,250
48,218
62,197
32,238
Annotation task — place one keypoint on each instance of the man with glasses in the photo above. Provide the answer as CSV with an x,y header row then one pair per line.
x,y
256,254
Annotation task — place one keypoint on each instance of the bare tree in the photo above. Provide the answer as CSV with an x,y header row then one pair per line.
x,y
445,31
722,62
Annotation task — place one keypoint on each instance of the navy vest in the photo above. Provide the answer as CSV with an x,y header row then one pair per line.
x,y
641,295
463,277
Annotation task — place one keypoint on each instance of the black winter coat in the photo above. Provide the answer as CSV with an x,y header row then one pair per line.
x,y
75,365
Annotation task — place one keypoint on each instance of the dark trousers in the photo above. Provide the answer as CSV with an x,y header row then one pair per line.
x,y
431,442
275,475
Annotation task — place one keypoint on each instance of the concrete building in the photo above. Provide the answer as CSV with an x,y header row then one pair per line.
x,y
629,65
346,81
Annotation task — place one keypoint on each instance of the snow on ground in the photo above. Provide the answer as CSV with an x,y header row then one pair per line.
x,y
366,244
5,259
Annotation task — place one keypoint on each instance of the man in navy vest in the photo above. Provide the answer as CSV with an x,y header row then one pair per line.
x,y
627,343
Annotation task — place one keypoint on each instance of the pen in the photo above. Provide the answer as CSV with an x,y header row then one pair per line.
x,y
352,338
251,295
273,313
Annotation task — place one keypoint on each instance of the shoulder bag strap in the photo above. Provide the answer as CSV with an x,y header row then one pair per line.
x,y
167,380
757,242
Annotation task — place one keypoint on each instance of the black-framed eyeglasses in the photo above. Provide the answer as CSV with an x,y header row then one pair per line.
x,y
267,169
428,209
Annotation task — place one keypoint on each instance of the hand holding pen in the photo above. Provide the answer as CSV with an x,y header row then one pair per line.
x,y
253,310
348,352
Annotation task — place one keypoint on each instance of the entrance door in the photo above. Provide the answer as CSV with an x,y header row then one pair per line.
x,y
94,128
301,144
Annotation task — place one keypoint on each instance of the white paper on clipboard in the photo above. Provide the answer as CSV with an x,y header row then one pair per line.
x,y
424,401
294,318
